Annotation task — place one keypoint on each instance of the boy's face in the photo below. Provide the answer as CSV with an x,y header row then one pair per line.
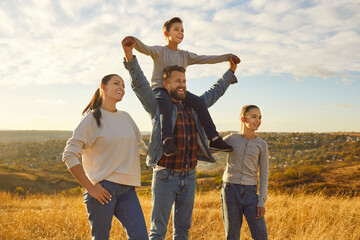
x,y
176,33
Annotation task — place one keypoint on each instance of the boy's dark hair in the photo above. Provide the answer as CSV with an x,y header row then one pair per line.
x,y
169,23
168,70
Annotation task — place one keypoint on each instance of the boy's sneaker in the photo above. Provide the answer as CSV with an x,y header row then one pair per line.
x,y
220,145
170,148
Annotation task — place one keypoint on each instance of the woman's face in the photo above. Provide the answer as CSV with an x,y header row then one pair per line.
x,y
252,119
115,88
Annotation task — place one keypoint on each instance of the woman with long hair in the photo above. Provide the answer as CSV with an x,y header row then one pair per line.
x,y
107,142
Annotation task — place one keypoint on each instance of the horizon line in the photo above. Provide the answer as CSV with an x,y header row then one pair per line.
x,y
147,132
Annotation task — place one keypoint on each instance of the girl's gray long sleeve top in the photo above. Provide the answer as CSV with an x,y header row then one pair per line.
x,y
249,156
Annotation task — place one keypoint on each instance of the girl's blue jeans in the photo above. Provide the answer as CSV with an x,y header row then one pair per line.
x,y
238,201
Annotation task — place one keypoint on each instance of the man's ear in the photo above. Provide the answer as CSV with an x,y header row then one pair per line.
x,y
166,34
165,83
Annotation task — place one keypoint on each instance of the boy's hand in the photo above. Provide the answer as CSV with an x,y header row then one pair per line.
x,y
236,59
233,65
128,43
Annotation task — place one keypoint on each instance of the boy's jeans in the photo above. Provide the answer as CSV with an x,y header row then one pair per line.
x,y
170,188
238,200
124,205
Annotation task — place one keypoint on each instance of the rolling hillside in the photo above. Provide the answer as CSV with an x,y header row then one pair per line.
x,y
326,162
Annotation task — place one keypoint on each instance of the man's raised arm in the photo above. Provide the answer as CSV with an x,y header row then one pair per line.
x,y
219,88
139,83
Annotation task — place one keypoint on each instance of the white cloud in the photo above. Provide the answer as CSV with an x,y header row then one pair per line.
x,y
6,25
51,101
314,71
341,106
258,4
74,8
78,41
347,81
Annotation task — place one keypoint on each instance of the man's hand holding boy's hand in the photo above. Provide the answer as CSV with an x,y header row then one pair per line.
x,y
236,59
128,43
233,65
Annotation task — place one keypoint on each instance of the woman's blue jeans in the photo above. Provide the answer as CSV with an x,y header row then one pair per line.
x,y
124,205
238,200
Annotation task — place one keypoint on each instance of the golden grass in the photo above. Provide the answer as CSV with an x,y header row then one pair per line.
x,y
288,217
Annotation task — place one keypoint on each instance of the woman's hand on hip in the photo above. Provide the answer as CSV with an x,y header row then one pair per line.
x,y
100,193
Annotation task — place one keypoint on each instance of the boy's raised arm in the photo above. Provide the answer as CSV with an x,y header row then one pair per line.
x,y
193,58
152,51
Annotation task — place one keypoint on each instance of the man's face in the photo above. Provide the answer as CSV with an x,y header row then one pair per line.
x,y
176,86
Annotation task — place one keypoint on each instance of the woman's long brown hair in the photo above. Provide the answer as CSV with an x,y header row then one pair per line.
x,y
96,101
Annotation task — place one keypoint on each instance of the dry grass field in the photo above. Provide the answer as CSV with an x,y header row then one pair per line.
x,y
296,216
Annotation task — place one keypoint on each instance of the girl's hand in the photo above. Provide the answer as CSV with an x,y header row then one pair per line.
x,y
100,194
260,212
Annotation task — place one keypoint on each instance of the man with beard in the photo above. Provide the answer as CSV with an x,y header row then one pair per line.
x,y
174,177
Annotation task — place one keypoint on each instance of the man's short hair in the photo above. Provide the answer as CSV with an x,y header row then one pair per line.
x,y
168,70
169,23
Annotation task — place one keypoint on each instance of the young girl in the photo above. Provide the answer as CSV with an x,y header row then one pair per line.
x,y
239,192
109,142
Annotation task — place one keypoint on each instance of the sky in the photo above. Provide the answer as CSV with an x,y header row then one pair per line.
x,y
300,60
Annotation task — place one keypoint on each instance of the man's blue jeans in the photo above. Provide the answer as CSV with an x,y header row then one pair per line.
x,y
124,205
172,189
238,200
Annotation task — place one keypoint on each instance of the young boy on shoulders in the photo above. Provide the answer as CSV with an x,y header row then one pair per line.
x,y
169,55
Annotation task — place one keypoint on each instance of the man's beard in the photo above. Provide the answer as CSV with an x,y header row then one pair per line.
x,y
179,97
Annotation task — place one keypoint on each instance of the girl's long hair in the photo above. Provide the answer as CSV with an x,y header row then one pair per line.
x,y
96,101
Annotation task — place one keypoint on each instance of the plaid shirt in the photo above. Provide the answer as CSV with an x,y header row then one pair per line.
x,y
185,140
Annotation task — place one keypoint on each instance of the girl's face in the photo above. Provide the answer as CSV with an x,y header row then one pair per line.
x,y
252,119
114,89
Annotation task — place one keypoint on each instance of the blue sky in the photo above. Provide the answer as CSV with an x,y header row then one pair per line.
x,y
300,59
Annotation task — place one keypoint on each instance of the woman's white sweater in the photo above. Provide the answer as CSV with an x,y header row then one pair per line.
x,y
109,152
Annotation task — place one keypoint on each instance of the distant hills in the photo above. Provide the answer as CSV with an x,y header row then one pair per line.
x,y
33,135
317,161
